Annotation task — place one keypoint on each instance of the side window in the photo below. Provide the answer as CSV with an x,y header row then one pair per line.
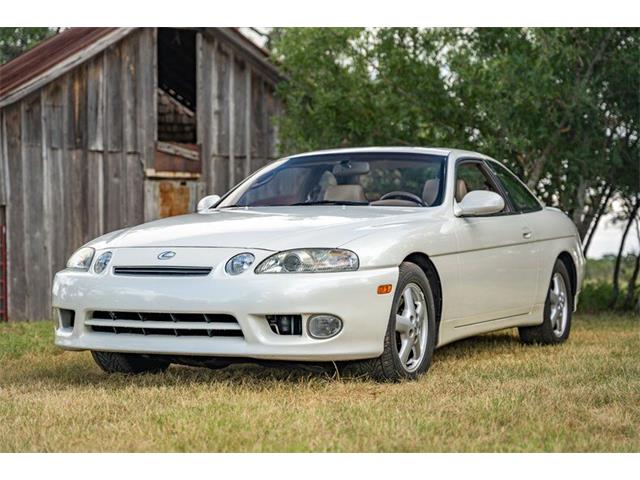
x,y
471,176
520,196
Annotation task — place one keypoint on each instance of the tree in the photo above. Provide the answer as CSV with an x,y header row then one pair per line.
x,y
559,106
16,40
350,87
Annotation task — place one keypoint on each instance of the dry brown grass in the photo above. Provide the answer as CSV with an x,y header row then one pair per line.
x,y
489,393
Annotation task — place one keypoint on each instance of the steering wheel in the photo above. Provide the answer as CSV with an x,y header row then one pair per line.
x,y
404,196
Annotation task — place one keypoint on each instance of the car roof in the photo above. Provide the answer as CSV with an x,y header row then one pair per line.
x,y
424,150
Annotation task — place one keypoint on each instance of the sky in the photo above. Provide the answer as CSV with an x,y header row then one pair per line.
x,y
607,239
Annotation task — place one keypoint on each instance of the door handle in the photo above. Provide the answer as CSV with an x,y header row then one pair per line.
x,y
526,233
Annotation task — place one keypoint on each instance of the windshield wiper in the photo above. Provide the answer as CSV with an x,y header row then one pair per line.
x,y
329,202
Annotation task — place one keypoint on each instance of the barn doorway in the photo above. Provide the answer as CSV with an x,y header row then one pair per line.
x,y
177,85
4,308
177,149
174,184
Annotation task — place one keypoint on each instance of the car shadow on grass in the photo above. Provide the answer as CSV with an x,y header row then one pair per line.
x,y
77,369
494,343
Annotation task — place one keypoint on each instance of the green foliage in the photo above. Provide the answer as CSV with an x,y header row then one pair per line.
x,y
15,40
601,269
595,297
597,289
350,87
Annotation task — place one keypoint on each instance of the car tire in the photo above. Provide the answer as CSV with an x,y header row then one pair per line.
x,y
128,363
558,310
389,367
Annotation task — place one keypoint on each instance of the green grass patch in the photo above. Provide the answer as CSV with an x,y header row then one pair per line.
x,y
488,393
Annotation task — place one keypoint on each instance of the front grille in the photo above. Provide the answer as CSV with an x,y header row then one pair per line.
x,y
163,271
172,324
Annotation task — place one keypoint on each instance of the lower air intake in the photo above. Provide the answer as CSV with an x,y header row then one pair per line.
x,y
285,324
172,324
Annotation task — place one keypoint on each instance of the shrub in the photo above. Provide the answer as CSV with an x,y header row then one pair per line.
x,y
595,297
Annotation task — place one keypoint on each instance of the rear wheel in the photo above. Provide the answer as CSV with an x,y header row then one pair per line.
x,y
558,309
410,338
129,363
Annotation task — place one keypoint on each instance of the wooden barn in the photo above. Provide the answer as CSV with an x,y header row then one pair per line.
x,y
102,128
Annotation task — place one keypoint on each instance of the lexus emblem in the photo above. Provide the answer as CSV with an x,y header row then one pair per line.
x,y
166,255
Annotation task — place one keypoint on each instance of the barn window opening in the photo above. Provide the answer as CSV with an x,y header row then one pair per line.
x,y
177,86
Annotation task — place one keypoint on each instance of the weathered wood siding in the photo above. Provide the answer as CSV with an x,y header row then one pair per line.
x,y
78,156
237,110
75,154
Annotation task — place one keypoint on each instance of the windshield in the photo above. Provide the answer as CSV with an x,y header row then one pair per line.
x,y
376,179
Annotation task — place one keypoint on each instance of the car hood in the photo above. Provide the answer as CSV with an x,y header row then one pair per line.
x,y
272,228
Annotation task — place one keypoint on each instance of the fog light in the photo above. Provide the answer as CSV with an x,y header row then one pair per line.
x,y
102,262
324,326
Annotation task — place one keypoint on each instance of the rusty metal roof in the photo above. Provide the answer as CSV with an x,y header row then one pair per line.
x,y
18,75
46,55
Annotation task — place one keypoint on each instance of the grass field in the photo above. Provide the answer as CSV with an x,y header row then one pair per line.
x,y
489,393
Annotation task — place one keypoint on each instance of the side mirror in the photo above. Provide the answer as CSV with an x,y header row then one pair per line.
x,y
479,202
207,202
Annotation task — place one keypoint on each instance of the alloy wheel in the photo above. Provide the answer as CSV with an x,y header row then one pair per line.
x,y
411,327
559,308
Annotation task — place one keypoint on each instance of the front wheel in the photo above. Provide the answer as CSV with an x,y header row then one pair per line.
x,y
558,309
410,338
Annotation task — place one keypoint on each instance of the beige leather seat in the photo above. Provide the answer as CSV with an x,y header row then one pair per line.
x,y
345,193
430,191
461,189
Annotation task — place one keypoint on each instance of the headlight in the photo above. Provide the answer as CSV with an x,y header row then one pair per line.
x,y
102,262
310,260
240,263
81,260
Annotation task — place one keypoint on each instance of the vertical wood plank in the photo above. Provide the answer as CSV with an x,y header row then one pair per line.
x,y
77,102
134,181
231,91
113,191
95,103
204,115
145,93
60,212
3,159
239,95
94,202
258,124
211,116
151,201
113,99
36,276
15,214
53,115
129,97
247,120
47,192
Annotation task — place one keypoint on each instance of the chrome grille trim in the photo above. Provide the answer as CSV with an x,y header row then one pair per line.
x,y
163,271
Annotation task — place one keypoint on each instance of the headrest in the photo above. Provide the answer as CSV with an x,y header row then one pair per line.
x,y
430,191
345,193
461,189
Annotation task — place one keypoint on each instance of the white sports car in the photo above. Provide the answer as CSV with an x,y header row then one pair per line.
x,y
367,259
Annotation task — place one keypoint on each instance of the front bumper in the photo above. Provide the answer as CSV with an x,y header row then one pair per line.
x,y
248,297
